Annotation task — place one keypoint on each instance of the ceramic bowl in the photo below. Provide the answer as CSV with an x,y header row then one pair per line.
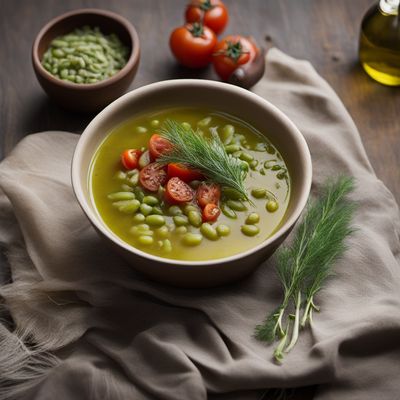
x,y
86,97
216,96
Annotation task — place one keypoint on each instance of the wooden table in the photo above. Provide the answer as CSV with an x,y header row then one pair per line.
x,y
322,31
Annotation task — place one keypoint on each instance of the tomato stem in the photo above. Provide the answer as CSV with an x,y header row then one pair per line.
x,y
233,51
197,29
205,5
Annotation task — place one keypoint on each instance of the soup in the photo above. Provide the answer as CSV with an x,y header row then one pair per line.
x,y
173,210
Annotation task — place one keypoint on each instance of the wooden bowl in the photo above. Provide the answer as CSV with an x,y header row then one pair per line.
x,y
217,96
86,97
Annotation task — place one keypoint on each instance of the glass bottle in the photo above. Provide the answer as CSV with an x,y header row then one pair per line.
x,y
379,49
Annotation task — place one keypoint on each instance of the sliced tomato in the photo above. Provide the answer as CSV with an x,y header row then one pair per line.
x,y
211,213
208,193
152,176
184,173
158,145
177,191
130,158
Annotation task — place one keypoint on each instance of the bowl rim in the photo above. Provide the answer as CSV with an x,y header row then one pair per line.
x,y
95,219
131,62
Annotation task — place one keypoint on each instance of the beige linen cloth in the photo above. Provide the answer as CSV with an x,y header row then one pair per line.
x,y
117,335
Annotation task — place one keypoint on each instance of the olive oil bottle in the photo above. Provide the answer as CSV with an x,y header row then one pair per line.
x,y
380,42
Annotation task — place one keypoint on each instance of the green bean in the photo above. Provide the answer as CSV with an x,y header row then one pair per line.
x,y
150,200
232,148
223,230
246,157
140,129
259,193
192,239
162,232
155,220
139,218
180,220
121,196
145,240
227,133
250,230
155,123
194,218
252,218
236,205
188,208
227,211
204,122
174,210
146,209
181,230
166,246
272,206
144,159
231,193
209,231
186,126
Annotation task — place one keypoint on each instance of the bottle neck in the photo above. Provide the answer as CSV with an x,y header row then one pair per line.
x,y
391,7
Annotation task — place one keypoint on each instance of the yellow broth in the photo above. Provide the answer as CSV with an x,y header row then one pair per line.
x,y
270,173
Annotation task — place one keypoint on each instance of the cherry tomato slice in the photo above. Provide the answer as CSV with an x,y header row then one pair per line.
x,y
184,173
177,191
211,213
152,176
130,158
212,13
208,193
158,146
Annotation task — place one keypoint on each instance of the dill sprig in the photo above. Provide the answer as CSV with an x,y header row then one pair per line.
x,y
206,155
305,265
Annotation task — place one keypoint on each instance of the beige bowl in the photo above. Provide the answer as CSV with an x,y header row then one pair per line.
x,y
218,96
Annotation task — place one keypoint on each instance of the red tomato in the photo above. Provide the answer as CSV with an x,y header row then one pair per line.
x,y
178,191
208,193
184,173
211,213
193,45
231,52
130,158
152,176
211,13
158,146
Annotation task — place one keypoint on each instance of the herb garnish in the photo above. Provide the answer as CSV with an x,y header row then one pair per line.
x,y
206,155
306,264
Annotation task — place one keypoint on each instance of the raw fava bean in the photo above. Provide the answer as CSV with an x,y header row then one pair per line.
x,y
155,220
174,210
150,200
121,196
181,230
209,231
145,209
188,208
144,159
155,123
227,133
194,218
140,129
250,230
246,156
166,246
252,218
236,205
272,206
139,218
180,220
232,148
157,210
162,232
223,230
228,212
192,239
259,193
186,126
204,122
145,240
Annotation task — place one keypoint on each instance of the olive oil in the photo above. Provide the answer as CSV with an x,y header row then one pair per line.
x,y
380,42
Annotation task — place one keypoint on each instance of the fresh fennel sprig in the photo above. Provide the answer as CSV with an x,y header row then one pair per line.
x,y
206,155
305,265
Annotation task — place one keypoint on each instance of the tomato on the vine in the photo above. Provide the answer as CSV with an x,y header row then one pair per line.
x,y
232,52
211,13
193,45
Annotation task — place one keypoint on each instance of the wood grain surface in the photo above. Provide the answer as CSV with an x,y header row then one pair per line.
x,y
323,31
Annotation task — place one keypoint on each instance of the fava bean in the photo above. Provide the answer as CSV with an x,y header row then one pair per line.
x,y
134,179
181,230
192,239
259,193
232,148
174,210
188,208
227,133
227,211
155,220
144,159
132,172
252,218
204,122
120,175
271,206
157,210
236,205
166,246
140,129
223,230
253,164
139,218
145,240
246,156
180,220
126,188
162,232
186,126
209,231
138,193
121,196
250,230
150,200
141,229
194,218
155,123
130,207
145,209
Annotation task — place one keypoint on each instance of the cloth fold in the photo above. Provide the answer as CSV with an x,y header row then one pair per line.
x,y
118,335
